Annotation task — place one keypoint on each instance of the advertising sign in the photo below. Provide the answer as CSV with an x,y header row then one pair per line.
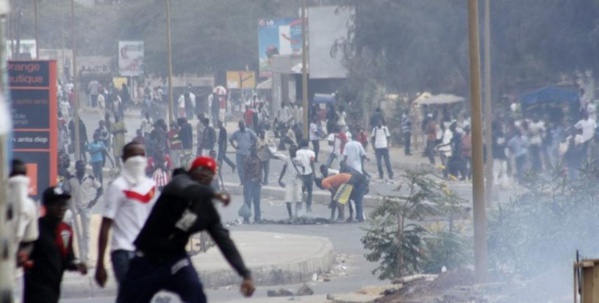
x,y
35,124
278,37
131,58
328,24
241,80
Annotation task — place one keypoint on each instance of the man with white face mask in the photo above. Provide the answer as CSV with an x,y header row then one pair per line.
x,y
128,202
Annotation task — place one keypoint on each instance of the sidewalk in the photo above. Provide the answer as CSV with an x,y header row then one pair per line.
x,y
273,258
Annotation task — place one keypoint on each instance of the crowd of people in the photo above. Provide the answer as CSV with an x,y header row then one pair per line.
x,y
525,143
150,230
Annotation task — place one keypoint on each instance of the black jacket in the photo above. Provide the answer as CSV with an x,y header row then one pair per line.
x,y
184,208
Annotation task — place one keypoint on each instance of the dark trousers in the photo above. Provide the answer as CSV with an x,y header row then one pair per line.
x,y
222,156
251,195
120,263
94,99
308,185
430,151
357,196
316,145
384,154
407,143
520,163
535,158
240,168
145,278
265,170
97,169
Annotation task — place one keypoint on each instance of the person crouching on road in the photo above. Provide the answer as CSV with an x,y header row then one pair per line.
x,y
52,252
161,262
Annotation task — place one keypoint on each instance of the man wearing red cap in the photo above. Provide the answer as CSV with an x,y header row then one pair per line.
x,y
161,263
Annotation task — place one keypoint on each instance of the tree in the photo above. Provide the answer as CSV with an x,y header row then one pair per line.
x,y
397,237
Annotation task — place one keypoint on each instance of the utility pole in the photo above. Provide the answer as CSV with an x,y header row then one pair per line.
x,y
305,71
75,84
37,42
171,116
478,190
488,107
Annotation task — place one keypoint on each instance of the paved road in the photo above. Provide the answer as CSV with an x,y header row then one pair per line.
x,y
353,274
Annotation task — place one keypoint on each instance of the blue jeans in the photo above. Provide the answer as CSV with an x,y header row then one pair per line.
x,y
240,168
146,277
384,154
358,196
97,169
251,195
120,263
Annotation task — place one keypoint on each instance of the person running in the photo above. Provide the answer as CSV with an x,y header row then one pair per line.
x,y
161,262
222,146
128,202
52,252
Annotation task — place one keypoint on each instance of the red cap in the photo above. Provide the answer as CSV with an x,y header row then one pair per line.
x,y
203,162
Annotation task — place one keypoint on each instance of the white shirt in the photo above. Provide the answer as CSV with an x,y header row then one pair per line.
x,y
354,152
381,137
588,128
536,130
65,109
128,206
341,120
314,132
334,138
18,193
291,172
304,158
82,192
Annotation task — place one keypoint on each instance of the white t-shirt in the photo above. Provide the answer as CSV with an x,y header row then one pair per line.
x,y
381,137
128,206
27,229
314,132
588,128
291,173
354,152
341,120
536,130
304,158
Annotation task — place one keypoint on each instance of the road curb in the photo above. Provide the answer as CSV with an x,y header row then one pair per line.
x,y
318,196
271,263
284,272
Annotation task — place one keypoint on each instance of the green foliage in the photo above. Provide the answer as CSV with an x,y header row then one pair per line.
x,y
545,225
397,238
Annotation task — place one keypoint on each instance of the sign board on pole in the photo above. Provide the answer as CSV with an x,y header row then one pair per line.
x,y
32,87
278,37
241,80
131,58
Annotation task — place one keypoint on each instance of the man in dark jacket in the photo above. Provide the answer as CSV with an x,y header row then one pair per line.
x,y
52,252
208,139
222,146
184,208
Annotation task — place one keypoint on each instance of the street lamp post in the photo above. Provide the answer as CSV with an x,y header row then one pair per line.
x,y
478,189
75,84
305,71
37,42
170,61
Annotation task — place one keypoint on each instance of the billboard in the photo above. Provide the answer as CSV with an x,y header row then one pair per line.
x,y
32,87
131,58
241,79
277,37
327,24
